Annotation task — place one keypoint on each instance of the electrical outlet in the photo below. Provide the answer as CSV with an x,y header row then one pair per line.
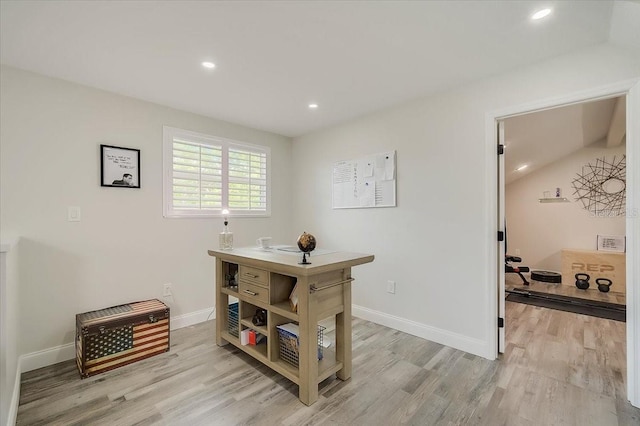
x,y
167,290
391,287
517,252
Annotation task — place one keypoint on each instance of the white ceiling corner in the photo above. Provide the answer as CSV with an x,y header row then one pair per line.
x,y
625,23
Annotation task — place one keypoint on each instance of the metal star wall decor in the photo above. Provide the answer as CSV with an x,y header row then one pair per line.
x,y
602,186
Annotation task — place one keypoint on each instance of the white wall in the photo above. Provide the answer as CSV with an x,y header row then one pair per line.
x,y
433,243
540,230
123,250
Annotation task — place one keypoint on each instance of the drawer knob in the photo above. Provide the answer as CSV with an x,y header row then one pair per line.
x,y
253,293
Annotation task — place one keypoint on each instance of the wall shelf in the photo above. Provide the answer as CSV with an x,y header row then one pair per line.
x,y
554,200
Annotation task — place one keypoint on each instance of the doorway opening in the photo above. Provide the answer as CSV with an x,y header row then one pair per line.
x,y
565,193
629,330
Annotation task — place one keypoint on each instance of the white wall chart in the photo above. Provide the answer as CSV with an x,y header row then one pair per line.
x,y
368,181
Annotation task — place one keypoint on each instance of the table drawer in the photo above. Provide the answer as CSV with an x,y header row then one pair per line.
x,y
256,276
255,292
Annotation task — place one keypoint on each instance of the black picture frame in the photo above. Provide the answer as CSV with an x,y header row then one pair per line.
x,y
119,167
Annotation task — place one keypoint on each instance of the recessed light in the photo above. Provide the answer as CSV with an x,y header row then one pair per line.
x,y
540,14
524,166
313,106
209,65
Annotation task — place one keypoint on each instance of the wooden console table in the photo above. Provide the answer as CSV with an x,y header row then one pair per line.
x,y
265,280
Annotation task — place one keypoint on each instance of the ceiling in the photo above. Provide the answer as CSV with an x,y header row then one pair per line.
x,y
543,137
273,58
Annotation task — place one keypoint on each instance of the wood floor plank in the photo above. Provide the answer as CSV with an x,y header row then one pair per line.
x,y
558,368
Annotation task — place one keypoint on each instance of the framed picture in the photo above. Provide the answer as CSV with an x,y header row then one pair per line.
x,y
615,243
119,167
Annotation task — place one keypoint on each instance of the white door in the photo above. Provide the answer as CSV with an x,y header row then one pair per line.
x,y
501,244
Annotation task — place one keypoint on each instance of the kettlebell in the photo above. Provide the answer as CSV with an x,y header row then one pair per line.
x,y
582,283
604,285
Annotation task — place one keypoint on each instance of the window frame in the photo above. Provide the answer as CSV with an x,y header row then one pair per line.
x,y
168,135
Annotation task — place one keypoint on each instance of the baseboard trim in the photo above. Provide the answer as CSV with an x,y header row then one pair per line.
x,y
444,337
192,318
478,347
45,357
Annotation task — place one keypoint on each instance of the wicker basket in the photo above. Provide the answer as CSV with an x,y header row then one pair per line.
x,y
289,343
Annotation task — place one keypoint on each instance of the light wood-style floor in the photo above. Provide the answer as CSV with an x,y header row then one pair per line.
x,y
558,368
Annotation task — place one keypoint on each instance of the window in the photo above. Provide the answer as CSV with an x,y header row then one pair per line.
x,y
205,174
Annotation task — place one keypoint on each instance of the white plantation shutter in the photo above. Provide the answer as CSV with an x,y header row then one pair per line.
x,y
247,180
197,176
205,174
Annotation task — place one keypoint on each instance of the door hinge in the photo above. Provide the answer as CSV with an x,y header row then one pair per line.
x,y
500,236
500,322
500,149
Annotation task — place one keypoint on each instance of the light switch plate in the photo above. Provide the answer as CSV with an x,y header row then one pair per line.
x,y
73,214
391,287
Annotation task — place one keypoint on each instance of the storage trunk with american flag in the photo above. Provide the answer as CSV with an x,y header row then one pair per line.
x,y
113,337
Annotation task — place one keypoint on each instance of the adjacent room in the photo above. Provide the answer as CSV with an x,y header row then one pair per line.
x,y
565,195
292,212
556,228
